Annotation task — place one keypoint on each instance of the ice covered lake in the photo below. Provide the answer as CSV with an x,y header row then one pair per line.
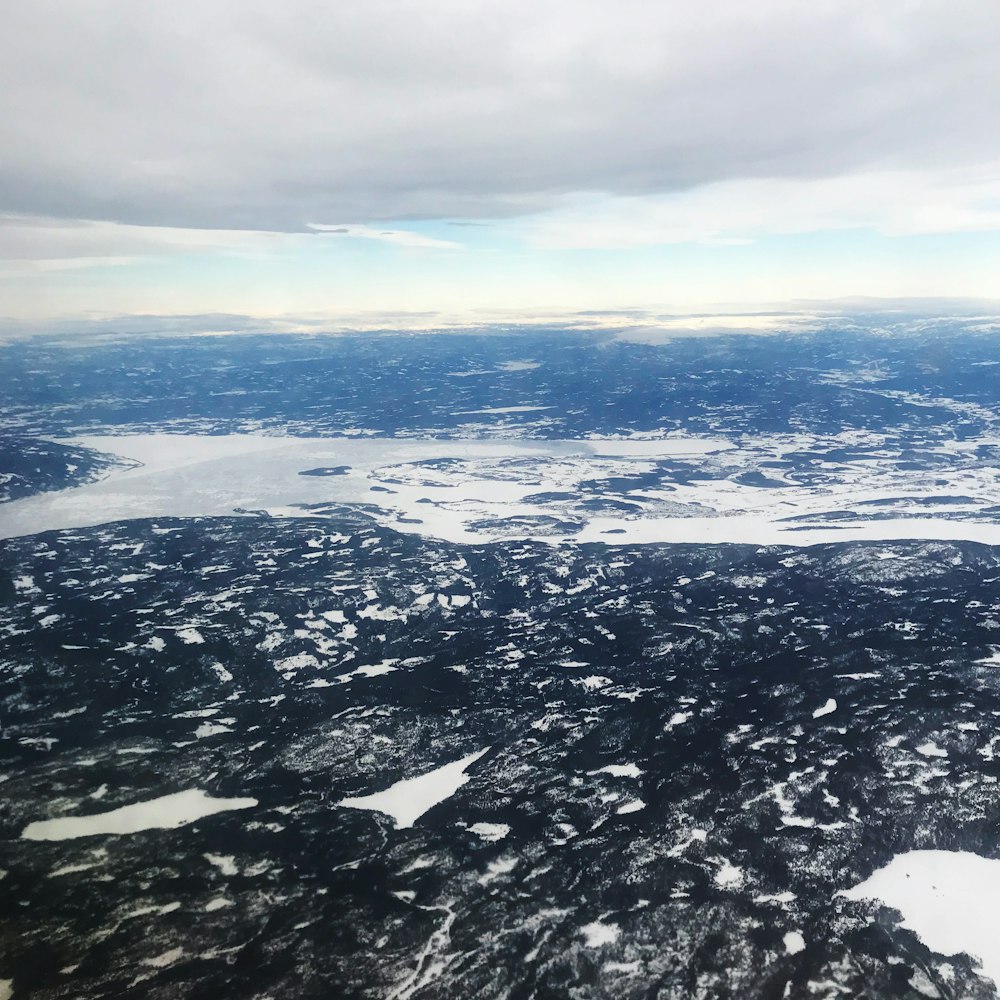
x,y
616,490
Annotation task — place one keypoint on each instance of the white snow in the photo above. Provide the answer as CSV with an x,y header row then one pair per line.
x,y
630,807
625,968
222,673
497,868
778,897
794,942
947,898
407,800
207,729
931,749
226,863
299,661
71,869
519,366
501,409
827,709
165,813
597,934
619,770
143,911
370,670
167,958
490,832
205,475
728,875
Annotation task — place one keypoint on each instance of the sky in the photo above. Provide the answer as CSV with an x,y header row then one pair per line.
x,y
454,159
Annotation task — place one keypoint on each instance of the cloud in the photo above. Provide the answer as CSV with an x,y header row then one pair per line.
x,y
734,213
248,115
31,245
401,237
33,238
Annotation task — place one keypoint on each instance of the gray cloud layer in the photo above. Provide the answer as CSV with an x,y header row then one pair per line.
x,y
238,113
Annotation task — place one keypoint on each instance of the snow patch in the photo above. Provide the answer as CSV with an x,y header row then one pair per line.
x,y
490,832
778,897
828,709
794,942
167,958
619,770
598,934
728,875
226,863
631,807
497,868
